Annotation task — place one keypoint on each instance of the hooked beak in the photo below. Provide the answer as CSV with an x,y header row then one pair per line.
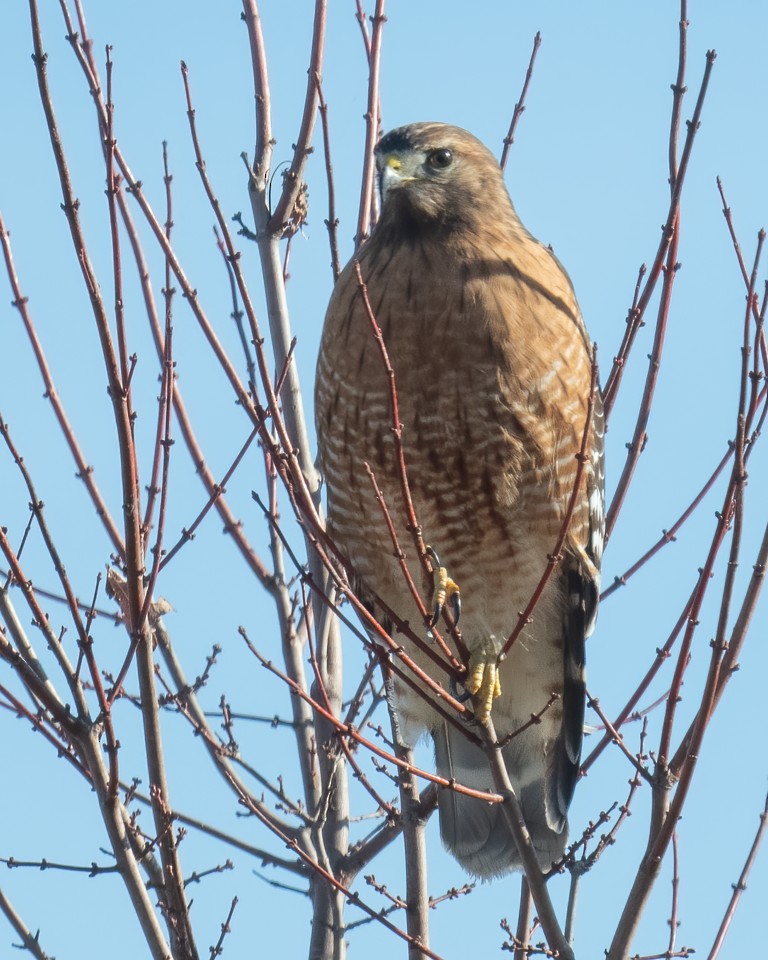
x,y
392,174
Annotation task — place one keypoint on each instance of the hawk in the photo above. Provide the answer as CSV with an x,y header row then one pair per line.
x,y
493,371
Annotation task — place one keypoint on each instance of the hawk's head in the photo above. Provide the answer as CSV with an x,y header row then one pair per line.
x,y
437,173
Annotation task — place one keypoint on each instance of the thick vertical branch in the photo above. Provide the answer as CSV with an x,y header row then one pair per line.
x,y
523,921
513,814
327,933
414,825
270,227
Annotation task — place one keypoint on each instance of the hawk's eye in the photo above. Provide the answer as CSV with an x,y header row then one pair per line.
x,y
440,159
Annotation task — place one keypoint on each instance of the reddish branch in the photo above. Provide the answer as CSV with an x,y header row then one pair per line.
x,y
640,436
119,390
221,754
216,493
291,452
724,653
678,92
406,573
214,489
164,443
619,740
669,535
113,186
683,764
327,877
759,318
84,641
134,187
663,653
382,804
413,525
731,514
379,641
668,229
350,731
332,222
41,722
362,21
287,455
84,471
231,526
532,721
168,292
740,886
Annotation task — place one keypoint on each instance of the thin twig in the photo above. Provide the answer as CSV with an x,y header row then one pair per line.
x,y
740,886
29,941
614,379
332,221
84,471
523,920
520,105
218,949
371,122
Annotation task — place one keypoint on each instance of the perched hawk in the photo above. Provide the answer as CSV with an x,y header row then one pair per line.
x,y
493,372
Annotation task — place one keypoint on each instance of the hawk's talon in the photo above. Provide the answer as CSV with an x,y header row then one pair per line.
x,y
461,695
456,604
445,589
483,680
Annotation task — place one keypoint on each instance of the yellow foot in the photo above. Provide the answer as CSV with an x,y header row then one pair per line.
x,y
445,589
483,679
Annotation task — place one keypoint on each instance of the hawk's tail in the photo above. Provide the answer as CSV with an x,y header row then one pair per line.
x,y
476,832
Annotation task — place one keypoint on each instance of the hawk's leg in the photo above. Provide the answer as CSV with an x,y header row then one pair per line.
x,y
445,590
483,677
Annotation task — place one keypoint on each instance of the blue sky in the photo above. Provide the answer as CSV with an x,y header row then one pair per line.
x,y
588,175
